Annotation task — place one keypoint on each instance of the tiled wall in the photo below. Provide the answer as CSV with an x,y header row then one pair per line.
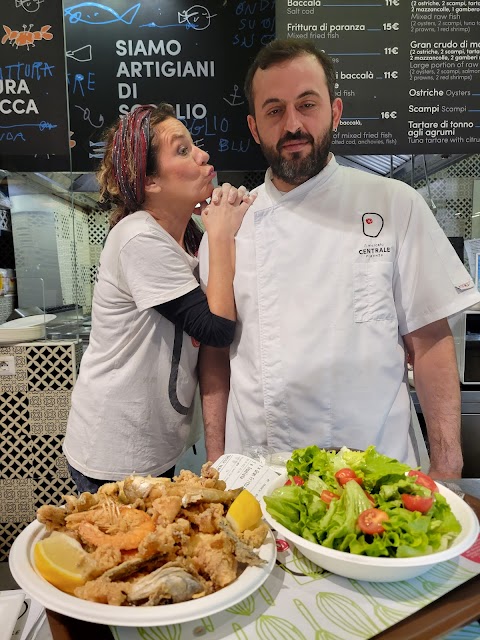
x,y
80,239
7,302
452,192
34,406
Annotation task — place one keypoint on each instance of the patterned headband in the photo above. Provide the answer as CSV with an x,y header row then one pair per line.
x,y
129,155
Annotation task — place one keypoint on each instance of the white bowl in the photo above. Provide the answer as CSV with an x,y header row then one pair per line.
x,y
373,569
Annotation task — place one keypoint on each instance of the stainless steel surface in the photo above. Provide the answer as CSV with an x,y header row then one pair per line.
x,y
70,324
470,486
470,399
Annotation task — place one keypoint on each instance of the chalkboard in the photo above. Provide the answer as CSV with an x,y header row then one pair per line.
x,y
408,71
33,97
194,56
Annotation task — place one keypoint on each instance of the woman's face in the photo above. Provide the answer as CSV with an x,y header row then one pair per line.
x,y
183,172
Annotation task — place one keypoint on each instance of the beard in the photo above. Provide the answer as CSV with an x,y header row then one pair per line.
x,y
297,169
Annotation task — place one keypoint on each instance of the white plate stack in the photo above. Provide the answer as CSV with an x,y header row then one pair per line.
x,y
25,329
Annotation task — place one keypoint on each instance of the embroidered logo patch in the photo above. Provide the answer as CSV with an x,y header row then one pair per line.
x,y
372,224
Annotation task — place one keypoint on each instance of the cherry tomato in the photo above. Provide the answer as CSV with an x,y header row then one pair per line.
x,y
370,497
297,480
345,475
416,503
328,496
424,480
287,483
370,521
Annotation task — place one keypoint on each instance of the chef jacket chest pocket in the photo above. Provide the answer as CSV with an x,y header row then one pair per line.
x,y
373,291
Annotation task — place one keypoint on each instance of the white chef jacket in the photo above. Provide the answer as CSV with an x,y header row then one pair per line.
x,y
329,277
132,404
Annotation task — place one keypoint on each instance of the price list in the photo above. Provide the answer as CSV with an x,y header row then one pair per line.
x,y
408,71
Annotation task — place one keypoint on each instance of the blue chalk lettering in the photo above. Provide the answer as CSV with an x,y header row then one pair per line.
x,y
12,137
208,126
20,71
240,146
91,81
80,83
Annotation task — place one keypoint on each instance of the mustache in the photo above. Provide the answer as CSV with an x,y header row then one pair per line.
x,y
294,137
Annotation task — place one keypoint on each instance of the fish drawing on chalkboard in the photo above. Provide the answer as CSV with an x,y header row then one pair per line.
x,y
197,17
98,149
95,13
83,54
29,5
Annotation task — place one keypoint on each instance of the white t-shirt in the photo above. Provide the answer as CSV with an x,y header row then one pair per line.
x,y
132,404
329,277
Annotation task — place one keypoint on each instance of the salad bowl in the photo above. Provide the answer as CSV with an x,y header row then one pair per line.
x,y
381,569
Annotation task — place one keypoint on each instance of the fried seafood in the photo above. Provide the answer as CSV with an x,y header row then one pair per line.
x,y
171,583
152,541
52,517
191,496
109,523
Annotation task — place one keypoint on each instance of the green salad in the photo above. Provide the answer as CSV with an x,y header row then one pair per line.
x,y
362,502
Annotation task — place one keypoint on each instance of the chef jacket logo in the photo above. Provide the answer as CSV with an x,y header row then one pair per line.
x,y
372,224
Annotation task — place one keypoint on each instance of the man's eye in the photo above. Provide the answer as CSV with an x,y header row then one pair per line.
x,y
273,112
183,151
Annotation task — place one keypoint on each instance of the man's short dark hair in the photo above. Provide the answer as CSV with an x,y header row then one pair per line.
x,y
278,51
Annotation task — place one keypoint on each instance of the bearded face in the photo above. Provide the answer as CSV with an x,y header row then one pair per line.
x,y
295,167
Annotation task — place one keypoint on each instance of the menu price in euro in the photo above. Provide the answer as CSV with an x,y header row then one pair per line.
x,y
407,71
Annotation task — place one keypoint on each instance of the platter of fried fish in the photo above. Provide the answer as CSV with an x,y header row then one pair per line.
x,y
146,551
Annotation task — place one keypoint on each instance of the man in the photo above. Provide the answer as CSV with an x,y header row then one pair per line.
x,y
339,275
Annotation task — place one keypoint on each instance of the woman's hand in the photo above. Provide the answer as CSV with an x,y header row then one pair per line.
x,y
224,215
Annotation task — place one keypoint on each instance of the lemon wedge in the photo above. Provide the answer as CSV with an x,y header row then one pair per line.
x,y
59,559
244,512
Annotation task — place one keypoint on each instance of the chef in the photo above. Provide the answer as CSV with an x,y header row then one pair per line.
x,y
339,275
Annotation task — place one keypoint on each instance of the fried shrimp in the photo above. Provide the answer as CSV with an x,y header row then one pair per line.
x,y
111,524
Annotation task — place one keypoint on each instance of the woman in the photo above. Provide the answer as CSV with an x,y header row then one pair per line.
x,y
132,403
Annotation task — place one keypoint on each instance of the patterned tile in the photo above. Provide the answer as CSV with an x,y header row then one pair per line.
x,y
34,408
13,410
17,500
7,305
5,220
17,382
50,367
50,490
15,449
46,452
48,412
8,533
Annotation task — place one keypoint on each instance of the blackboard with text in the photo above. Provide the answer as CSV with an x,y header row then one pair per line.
x,y
194,56
408,71
33,97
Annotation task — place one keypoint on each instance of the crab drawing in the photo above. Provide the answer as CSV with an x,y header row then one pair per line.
x,y
26,38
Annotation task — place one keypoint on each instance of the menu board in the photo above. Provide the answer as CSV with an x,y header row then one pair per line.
x,y
408,71
33,96
194,56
